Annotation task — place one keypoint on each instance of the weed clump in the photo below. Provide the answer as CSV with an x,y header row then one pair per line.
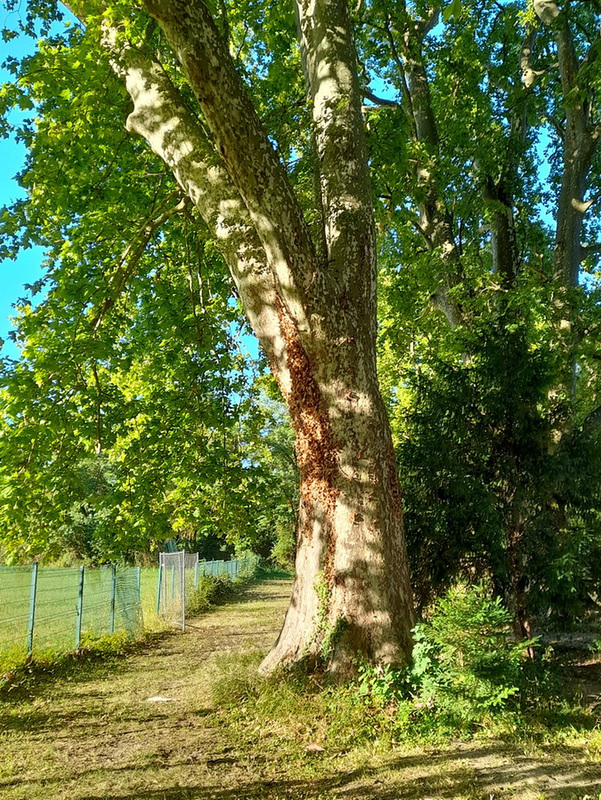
x,y
214,590
211,590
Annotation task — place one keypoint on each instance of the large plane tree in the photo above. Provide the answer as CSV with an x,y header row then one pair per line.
x,y
258,124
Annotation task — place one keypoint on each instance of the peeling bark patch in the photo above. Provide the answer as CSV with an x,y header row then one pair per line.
x,y
315,449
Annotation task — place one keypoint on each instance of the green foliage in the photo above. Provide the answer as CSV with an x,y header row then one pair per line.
x,y
478,407
283,550
466,671
132,415
465,661
382,685
149,428
213,590
476,466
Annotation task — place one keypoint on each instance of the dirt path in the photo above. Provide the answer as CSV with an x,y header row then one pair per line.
x,y
99,736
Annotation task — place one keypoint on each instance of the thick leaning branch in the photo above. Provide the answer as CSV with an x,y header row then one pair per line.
x,y
247,153
161,117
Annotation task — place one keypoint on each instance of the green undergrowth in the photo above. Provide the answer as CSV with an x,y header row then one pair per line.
x,y
215,590
468,679
370,711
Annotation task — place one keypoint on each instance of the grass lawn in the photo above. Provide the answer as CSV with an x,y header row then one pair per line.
x,y
97,731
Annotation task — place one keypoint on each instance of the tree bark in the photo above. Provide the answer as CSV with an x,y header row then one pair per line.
x,y
435,222
315,317
580,142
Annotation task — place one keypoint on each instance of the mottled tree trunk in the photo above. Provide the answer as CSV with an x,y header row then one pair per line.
x,y
580,141
351,591
435,218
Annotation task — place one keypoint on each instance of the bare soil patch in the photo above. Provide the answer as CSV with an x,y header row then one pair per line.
x,y
99,736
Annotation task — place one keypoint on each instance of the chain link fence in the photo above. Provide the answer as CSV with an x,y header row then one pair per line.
x,y
45,609
48,608
179,574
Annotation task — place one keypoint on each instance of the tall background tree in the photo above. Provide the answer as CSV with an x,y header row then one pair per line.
x,y
488,155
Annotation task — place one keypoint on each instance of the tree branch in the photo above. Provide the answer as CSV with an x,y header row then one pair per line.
x,y
587,250
407,100
436,221
430,21
557,127
132,254
379,101
161,116
247,152
583,206
579,143
591,424
331,75
529,74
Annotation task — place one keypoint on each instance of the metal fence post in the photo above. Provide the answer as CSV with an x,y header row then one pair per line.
x,y
196,567
79,608
139,596
34,589
183,590
159,587
113,598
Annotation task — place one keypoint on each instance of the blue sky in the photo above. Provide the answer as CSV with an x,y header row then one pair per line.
x,y
26,269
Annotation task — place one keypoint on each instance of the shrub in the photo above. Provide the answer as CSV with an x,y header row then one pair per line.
x,y
211,590
284,548
466,663
466,668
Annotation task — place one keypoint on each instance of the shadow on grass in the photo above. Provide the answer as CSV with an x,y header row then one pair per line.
x,y
34,678
273,574
473,771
